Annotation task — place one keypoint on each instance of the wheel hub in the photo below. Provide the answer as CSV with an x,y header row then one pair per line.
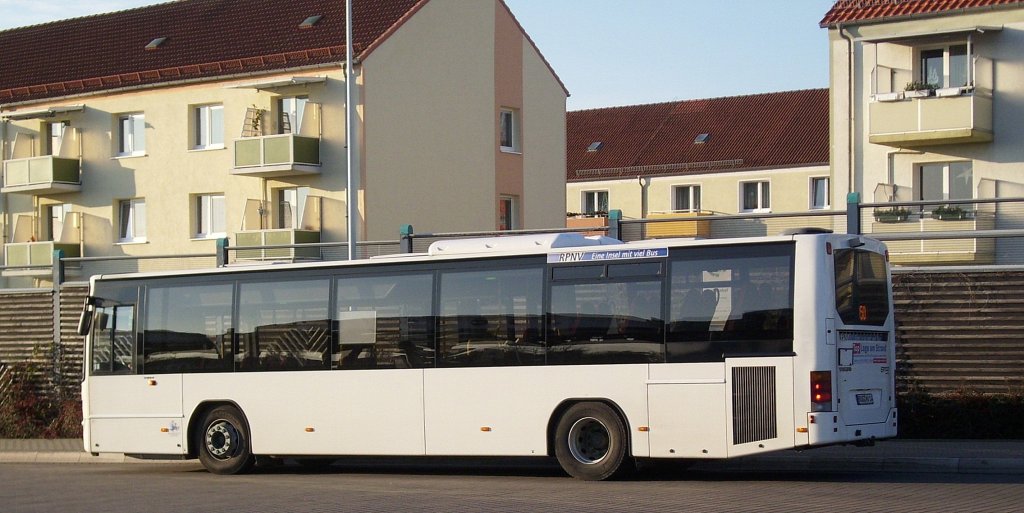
x,y
589,440
221,439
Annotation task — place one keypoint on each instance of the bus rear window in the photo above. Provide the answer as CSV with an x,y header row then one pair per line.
x,y
862,290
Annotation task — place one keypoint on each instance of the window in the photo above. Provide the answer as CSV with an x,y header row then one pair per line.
x,y
188,328
508,213
946,67
862,292
756,197
131,134
56,215
209,216
738,301
209,127
595,202
686,198
283,325
819,193
385,322
491,317
945,181
132,220
290,111
290,206
603,314
113,346
510,135
55,136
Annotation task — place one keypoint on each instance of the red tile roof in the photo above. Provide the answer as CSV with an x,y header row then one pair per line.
x,y
205,38
847,11
787,129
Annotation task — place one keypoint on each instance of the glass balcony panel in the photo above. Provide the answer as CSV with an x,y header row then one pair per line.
x,y
42,175
277,155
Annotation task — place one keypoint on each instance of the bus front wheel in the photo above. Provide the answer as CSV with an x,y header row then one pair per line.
x,y
224,442
590,441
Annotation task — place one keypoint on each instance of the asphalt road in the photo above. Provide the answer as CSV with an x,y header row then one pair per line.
x,y
532,487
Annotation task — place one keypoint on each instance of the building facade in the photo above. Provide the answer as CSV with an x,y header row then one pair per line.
x,y
764,153
925,108
124,134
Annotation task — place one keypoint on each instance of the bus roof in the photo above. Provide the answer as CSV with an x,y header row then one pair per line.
x,y
485,247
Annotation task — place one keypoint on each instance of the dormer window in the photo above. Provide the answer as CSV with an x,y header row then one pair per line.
x,y
595,146
701,138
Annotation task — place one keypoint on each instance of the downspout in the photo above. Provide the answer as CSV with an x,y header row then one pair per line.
x,y
849,105
4,224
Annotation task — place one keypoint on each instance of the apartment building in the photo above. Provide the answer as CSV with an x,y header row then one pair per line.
x,y
159,130
925,107
762,153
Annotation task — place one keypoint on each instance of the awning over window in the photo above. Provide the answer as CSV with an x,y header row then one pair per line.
x,y
277,83
896,38
41,113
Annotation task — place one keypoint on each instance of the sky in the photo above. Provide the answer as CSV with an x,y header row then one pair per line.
x,y
625,52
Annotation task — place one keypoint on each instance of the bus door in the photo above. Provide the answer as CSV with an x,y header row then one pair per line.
x,y
126,411
864,379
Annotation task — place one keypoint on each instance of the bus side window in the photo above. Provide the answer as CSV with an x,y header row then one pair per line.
x,y
113,348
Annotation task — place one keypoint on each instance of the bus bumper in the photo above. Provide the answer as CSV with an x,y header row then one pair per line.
x,y
827,428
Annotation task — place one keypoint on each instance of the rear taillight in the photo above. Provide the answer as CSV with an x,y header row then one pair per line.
x,y
821,391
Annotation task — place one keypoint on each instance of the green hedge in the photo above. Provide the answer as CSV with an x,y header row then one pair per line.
x,y
961,415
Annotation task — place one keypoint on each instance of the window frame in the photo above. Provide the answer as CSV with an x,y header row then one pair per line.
x,y
128,230
826,199
947,169
207,127
510,205
947,61
128,142
764,204
512,131
693,192
585,197
204,225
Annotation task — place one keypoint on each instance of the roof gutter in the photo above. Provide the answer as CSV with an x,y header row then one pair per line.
x,y
171,83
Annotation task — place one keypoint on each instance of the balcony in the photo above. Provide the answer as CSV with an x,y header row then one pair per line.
x,y
34,258
279,155
277,237
41,175
952,116
696,228
938,251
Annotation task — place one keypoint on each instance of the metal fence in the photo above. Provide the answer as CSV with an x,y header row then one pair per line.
x,y
974,232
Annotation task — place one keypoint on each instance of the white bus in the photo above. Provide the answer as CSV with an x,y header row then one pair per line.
x,y
587,349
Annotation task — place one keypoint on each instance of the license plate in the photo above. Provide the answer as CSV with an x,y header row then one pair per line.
x,y
865,399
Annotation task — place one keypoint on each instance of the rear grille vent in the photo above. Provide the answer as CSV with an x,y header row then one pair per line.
x,y
753,404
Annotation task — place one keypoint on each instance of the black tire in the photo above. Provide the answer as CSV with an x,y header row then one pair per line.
x,y
223,440
591,442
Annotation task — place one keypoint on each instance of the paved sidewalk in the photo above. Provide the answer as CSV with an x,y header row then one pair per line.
x,y
913,456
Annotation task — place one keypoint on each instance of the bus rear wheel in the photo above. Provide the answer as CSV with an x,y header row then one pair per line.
x,y
224,442
590,442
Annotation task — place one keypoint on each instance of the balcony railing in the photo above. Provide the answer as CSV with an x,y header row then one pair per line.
x,y
35,258
277,155
952,116
278,237
42,175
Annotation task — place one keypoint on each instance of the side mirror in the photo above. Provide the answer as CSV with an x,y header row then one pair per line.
x,y
85,320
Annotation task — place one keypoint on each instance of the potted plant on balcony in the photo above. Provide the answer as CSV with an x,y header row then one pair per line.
x,y
917,89
950,213
892,215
